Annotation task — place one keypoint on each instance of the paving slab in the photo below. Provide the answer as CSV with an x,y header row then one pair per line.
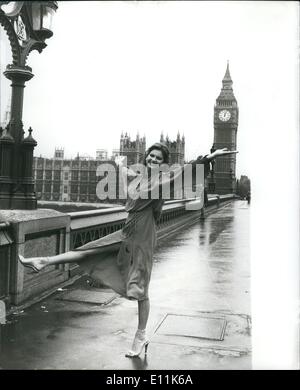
x,y
93,296
198,327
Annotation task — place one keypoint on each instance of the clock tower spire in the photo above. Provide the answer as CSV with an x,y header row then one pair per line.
x,y
225,136
226,91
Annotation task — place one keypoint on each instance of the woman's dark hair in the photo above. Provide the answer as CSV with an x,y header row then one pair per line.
x,y
158,146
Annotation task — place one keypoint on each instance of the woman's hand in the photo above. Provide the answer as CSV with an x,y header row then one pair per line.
x,y
119,160
221,152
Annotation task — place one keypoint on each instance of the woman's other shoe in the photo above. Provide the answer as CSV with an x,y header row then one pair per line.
x,y
139,343
35,263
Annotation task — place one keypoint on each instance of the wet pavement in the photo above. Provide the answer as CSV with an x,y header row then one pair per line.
x,y
199,319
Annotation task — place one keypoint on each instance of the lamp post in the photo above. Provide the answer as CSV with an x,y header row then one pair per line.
x,y
212,182
28,25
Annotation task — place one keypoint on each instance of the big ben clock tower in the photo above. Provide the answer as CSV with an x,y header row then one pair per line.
x,y
226,115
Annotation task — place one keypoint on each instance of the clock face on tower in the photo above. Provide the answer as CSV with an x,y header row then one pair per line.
x,y
224,115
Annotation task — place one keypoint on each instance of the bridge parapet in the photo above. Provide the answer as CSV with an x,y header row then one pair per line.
x,y
91,225
87,226
45,232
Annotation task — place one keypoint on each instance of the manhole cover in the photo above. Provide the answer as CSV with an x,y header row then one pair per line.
x,y
88,296
192,326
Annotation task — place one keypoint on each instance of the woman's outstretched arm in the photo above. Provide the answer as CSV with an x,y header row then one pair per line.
x,y
203,160
147,187
219,153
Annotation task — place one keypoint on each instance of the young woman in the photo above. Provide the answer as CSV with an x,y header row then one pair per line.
x,y
126,261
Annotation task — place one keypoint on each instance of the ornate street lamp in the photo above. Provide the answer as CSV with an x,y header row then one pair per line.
x,y
28,25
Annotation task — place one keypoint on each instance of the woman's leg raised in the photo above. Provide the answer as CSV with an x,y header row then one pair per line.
x,y
38,263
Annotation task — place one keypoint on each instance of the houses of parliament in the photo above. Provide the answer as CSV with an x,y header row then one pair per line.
x,y
75,180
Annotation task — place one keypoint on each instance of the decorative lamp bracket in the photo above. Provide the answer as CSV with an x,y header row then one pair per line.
x,y
23,23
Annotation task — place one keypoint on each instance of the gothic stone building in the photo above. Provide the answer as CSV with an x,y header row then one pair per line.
x,y
75,180
226,112
72,180
133,150
176,148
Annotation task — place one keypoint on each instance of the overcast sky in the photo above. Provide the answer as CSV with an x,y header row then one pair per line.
x,y
153,66
158,66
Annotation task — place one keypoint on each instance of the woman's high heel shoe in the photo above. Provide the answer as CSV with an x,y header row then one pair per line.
x,y
139,350
140,342
34,263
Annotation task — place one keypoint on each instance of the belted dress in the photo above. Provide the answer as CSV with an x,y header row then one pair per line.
x,y
123,260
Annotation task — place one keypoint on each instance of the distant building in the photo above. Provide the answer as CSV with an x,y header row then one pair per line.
x,y
133,150
59,154
115,153
61,179
176,148
243,186
75,180
101,154
226,115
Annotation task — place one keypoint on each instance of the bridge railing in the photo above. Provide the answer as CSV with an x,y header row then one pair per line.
x,y
91,225
49,232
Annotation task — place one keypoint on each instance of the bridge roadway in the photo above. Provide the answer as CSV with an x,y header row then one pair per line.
x,y
199,319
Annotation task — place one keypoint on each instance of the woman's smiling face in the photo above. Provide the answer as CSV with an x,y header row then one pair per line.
x,y
154,158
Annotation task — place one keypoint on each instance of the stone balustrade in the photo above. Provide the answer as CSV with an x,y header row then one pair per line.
x,y
46,232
